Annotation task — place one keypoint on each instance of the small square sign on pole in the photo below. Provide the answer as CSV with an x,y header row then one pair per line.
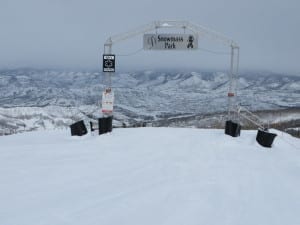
x,y
108,63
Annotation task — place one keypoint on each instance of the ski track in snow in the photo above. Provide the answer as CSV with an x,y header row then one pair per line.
x,y
149,176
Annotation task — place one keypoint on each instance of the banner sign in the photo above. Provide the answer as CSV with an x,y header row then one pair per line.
x,y
170,42
108,63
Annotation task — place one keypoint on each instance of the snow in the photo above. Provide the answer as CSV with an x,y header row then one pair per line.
x,y
292,86
243,83
149,176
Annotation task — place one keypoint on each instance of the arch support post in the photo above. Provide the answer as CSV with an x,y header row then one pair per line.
x,y
233,81
108,51
107,94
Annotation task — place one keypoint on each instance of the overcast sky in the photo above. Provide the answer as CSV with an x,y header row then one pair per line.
x,y
71,33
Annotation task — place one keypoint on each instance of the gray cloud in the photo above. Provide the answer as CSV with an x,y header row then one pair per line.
x,y
71,33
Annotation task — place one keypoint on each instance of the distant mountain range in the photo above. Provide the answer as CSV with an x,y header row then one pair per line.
x,y
61,97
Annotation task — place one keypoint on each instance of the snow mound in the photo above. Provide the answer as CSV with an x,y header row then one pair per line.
x,y
149,176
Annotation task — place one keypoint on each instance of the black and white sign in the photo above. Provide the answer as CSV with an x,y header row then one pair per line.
x,y
108,63
170,42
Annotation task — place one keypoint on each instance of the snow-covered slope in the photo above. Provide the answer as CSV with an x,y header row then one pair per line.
x,y
148,176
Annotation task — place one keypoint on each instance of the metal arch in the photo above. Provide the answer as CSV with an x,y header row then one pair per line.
x,y
200,31
197,29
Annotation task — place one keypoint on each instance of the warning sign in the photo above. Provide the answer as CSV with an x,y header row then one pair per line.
x,y
108,63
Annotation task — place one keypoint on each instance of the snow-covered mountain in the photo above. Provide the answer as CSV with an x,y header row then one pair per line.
x,y
149,176
148,95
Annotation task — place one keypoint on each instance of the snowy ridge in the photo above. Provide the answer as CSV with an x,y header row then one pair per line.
x,y
149,176
145,95
33,118
54,87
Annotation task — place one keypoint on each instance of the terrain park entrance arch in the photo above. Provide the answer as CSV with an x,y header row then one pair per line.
x,y
187,40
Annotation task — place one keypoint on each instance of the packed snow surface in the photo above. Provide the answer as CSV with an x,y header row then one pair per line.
x,y
148,176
